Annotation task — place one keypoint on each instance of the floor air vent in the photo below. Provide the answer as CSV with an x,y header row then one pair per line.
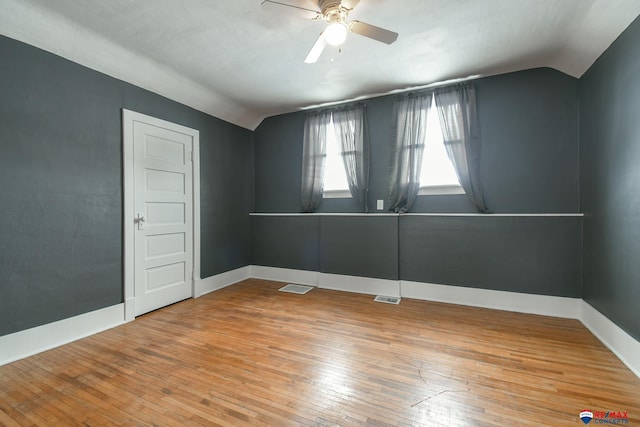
x,y
296,289
387,300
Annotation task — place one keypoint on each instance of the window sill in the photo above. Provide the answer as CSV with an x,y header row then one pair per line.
x,y
440,190
336,194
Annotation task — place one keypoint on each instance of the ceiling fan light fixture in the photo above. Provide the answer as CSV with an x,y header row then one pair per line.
x,y
336,33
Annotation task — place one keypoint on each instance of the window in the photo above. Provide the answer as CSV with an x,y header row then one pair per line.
x,y
335,177
437,174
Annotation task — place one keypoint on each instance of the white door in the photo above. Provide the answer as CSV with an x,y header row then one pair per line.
x,y
163,215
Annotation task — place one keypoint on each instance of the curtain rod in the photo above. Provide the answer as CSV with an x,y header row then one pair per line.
x,y
441,83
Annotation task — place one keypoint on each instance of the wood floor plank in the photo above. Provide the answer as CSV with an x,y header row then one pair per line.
x,y
250,355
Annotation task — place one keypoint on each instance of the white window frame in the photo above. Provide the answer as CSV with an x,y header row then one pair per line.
x,y
440,190
336,194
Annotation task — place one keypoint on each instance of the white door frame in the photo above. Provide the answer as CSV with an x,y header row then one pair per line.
x,y
128,119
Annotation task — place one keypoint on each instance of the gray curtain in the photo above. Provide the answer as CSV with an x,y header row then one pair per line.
x,y
351,133
461,133
407,149
314,152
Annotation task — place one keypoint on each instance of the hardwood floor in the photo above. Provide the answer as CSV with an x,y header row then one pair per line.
x,y
250,355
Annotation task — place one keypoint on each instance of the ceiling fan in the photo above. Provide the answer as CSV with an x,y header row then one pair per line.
x,y
335,13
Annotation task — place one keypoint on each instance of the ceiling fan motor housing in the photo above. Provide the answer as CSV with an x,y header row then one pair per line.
x,y
333,11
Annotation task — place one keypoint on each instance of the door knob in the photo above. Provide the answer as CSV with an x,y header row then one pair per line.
x,y
139,219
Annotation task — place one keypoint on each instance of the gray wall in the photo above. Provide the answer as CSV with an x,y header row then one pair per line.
x,y
354,246
286,242
539,255
529,125
610,184
61,177
529,131
359,246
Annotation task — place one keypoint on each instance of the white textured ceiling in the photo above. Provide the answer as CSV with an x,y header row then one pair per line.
x,y
241,60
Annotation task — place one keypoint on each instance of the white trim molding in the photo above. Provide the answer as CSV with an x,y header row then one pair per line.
x,y
390,214
443,214
300,277
26,343
360,285
337,282
612,336
219,281
500,215
498,300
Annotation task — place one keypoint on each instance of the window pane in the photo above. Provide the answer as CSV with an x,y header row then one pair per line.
x,y
335,177
437,168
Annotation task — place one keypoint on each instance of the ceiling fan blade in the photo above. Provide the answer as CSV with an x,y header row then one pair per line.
x,y
302,11
349,4
373,32
316,50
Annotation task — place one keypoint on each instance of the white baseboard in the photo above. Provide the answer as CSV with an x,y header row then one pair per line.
x,y
219,281
301,277
41,338
338,282
361,285
499,300
35,340
615,338
129,309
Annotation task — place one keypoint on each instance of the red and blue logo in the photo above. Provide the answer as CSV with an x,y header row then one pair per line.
x,y
586,416
604,417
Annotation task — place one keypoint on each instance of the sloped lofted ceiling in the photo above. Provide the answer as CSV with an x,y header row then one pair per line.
x,y
242,61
